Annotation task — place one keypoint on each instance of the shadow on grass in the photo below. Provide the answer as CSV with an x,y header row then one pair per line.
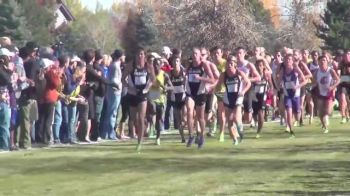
x,y
293,192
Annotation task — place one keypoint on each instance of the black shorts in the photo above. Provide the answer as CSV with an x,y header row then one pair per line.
x,y
344,88
248,99
209,103
199,100
178,105
83,112
124,103
134,101
302,91
259,103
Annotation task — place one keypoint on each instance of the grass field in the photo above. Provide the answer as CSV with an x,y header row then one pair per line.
x,y
311,164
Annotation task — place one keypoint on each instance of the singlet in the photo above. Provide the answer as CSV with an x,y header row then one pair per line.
x,y
260,87
233,86
178,93
244,68
156,91
313,68
221,67
290,80
324,81
344,74
138,78
193,86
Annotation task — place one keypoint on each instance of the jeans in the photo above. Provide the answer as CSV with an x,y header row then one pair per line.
x,y
5,117
111,115
46,121
69,113
28,114
99,117
57,121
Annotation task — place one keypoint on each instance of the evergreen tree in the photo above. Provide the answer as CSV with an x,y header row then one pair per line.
x,y
334,28
141,31
12,23
263,16
147,34
40,19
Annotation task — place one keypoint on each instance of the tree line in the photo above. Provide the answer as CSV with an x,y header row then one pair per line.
x,y
177,23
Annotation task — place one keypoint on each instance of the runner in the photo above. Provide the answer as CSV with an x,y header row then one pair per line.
x,y
261,89
251,72
301,60
156,97
178,96
236,84
140,79
326,80
210,102
344,84
311,93
198,74
276,64
292,80
221,65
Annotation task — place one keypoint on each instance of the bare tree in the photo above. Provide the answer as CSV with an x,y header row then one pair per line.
x,y
297,29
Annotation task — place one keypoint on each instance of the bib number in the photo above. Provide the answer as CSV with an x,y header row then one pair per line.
x,y
140,80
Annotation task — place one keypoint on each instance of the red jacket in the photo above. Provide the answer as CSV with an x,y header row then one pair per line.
x,y
53,81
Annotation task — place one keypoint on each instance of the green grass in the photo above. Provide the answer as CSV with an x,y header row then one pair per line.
x,y
311,164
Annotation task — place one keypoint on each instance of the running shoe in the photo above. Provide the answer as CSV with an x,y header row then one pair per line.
x,y
158,141
325,130
138,148
343,121
222,137
257,136
183,140
200,142
287,129
311,121
190,141
235,142
292,136
295,124
196,139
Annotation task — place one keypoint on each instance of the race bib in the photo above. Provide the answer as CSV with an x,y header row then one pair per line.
x,y
289,85
192,78
259,89
153,95
344,78
179,89
140,80
232,88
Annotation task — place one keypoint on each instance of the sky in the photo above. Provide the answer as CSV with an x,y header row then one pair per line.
x,y
91,4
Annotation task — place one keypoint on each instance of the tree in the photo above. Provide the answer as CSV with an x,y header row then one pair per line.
x,y
263,17
12,23
208,23
90,29
140,30
40,20
334,27
297,29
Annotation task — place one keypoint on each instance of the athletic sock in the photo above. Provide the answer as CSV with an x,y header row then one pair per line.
x,y
240,130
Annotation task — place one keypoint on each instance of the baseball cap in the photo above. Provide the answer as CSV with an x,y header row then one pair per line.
x,y
45,63
166,50
6,52
75,59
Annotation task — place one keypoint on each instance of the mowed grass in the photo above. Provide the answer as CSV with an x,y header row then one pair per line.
x,y
311,164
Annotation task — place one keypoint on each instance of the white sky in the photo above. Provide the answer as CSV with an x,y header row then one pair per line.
x,y
91,4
